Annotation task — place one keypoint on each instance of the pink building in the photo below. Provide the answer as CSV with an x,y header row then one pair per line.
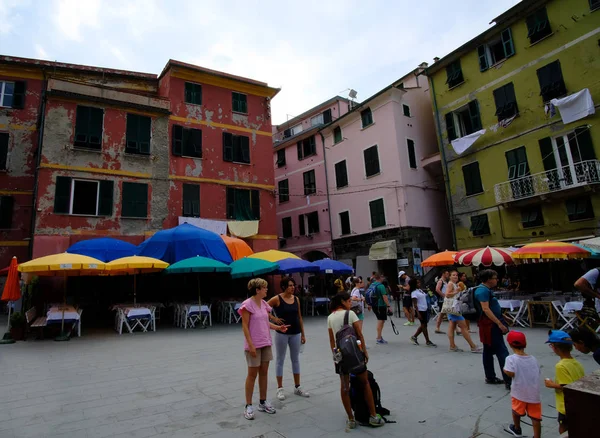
x,y
387,200
304,223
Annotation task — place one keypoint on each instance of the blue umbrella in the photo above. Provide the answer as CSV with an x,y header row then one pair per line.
x,y
290,266
183,242
105,249
328,266
593,253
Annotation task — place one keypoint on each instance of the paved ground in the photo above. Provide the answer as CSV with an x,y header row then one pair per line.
x,y
176,383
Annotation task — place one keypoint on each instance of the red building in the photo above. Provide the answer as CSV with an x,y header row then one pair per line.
x,y
125,154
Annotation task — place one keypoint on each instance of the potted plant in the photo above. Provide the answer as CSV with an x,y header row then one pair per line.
x,y
17,326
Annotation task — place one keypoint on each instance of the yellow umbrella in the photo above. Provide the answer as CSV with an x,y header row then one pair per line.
x,y
134,265
273,255
63,265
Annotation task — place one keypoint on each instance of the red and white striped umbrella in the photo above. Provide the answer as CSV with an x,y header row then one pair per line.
x,y
484,256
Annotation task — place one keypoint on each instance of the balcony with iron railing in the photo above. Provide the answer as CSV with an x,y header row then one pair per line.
x,y
579,174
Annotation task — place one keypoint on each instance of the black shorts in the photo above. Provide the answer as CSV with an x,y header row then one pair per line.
x,y
562,419
407,302
424,316
380,312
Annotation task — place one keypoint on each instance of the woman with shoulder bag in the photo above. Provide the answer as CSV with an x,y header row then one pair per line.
x,y
455,318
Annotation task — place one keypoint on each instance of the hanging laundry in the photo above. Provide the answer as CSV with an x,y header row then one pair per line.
x,y
504,123
462,144
576,106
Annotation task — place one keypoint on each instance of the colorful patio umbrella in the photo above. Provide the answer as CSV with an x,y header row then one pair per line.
x,y
63,265
103,248
134,265
291,266
328,266
11,291
249,267
274,255
237,247
185,241
444,258
549,250
484,256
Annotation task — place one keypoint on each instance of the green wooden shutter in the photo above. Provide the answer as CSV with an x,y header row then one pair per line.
x,y
230,202
244,149
299,147
105,203
227,146
6,211
191,200
188,92
197,142
82,126
474,114
327,116
255,201
412,158
500,101
522,163
547,153
134,200
177,139
144,134
483,61
19,92
584,141
450,128
507,42
301,225
3,150
511,163
131,144
62,195
95,127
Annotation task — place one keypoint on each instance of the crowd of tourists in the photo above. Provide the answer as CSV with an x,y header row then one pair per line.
x,y
455,295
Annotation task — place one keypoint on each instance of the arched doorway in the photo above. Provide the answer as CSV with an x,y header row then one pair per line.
x,y
313,256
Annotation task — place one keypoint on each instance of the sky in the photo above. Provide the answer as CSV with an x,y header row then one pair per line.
x,y
312,50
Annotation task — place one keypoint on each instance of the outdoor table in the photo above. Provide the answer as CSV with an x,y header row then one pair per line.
x,y
136,315
230,311
510,304
547,304
319,301
183,311
71,316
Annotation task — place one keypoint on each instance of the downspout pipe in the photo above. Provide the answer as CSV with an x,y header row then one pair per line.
x,y
327,191
444,163
38,161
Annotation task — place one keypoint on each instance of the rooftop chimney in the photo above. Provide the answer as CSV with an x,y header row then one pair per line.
x,y
436,59
423,65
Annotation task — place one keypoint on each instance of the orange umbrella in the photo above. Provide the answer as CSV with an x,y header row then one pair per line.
x,y
444,258
237,247
550,250
11,292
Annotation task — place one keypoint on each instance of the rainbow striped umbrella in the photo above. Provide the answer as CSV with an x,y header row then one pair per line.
x,y
484,256
549,250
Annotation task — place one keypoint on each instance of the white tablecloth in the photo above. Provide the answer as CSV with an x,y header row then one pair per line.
x,y
56,314
321,300
195,308
572,306
132,312
510,304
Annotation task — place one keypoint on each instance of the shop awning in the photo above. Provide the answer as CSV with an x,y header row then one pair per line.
x,y
385,250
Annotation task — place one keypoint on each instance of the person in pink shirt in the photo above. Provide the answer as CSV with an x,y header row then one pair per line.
x,y
257,344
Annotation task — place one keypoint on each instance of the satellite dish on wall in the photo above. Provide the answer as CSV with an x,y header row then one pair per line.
x,y
352,94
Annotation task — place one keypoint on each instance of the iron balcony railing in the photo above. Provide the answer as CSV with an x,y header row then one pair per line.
x,y
550,181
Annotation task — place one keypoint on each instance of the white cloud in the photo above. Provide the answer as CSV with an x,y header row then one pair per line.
x,y
40,52
9,17
72,15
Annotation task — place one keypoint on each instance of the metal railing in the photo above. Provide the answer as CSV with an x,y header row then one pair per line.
x,y
561,178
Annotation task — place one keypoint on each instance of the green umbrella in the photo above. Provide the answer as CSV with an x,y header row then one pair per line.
x,y
249,267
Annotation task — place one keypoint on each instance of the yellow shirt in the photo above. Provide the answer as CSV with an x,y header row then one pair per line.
x,y
567,371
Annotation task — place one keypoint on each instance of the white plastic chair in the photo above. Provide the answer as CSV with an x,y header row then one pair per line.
x,y
559,308
517,316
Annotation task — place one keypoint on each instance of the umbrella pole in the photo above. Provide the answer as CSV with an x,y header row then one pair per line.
x,y
63,336
134,289
9,309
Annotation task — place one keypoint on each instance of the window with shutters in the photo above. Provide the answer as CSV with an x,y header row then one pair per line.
x,y
406,110
538,25
341,174
377,210
88,127
239,102
12,94
552,84
307,148
193,93
345,222
496,50
302,224
506,102
286,227
480,225
191,200
412,156
6,212
337,135
454,74
366,117
472,178
280,158
242,205
187,142
236,148
594,5
310,184
4,150
518,170
316,120
532,217
312,221
463,121
371,157
579,209
134,200
283,189
83,197
139,129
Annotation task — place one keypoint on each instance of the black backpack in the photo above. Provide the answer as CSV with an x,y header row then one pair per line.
x,y
467,301
353,359
359,405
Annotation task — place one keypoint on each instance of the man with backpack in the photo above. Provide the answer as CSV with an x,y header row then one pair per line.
x,y
589,286
377,298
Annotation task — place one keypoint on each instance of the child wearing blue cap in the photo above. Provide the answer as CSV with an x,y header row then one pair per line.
x,y
568,370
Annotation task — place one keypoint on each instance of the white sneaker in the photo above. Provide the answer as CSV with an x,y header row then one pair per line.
x,y
249,412
266,407
280,394
299,391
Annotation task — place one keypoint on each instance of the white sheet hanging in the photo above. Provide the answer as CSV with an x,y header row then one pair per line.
x,y
219,227
576,106
462,144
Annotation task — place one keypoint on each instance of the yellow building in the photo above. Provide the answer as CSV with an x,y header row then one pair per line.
x,y
518,139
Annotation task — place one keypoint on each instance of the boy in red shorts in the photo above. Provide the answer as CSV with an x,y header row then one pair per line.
x,y
525,389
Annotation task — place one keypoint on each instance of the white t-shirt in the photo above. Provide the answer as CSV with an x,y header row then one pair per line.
x,y
592,277
356,293
421,299
335,321
526,383
443,288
